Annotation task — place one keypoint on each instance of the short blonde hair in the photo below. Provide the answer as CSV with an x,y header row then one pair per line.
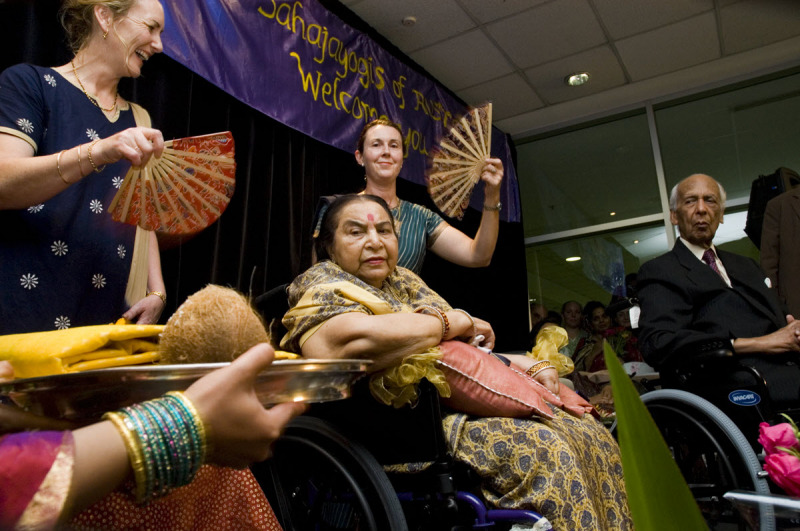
x,y
77,18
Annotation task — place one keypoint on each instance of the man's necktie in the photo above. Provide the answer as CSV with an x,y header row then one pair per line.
x,y
711,259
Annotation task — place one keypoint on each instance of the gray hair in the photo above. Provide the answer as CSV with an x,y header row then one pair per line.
x,y
673,195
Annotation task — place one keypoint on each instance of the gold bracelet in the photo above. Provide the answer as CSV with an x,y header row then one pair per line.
x,y
538,367
91,160
160,294
134,448
471,320
80,163
493,208
430,310
58,166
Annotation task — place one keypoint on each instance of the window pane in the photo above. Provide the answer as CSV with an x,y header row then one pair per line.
x,y
605,260
576,179
735,136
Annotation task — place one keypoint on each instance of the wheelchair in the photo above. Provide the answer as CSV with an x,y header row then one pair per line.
x,y
710,425
329,469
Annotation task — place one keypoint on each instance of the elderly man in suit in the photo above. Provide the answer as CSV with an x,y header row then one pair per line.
x,y
697,298
780,247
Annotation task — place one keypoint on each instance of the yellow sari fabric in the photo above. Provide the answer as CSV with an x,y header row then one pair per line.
x,y
326,290
549,341
81,348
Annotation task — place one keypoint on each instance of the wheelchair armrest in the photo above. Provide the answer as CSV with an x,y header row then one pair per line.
x,y
688,363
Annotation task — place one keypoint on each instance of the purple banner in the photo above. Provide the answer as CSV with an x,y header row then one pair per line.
x,y
301,65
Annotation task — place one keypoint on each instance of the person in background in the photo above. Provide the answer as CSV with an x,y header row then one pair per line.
x,y
780,252
67,137
590,349
572,322
64,479
538,312
380,152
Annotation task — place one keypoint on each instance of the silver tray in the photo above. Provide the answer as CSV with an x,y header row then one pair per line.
x,y
85,396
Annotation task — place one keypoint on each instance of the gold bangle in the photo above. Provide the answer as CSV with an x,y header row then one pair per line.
x,y
134,448
430,310
493,208
80,163
471,320
91,160
160,294
58,166
538,367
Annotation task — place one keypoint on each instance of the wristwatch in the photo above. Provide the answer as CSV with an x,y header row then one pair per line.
x,y
493,208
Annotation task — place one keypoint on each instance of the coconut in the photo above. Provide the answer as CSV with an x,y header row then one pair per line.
x,y
213,325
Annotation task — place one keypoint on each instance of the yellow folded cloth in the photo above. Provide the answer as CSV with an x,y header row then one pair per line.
x,y
283,355
549,341
81,348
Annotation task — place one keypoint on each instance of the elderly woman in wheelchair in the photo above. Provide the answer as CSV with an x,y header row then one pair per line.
x,y
355,303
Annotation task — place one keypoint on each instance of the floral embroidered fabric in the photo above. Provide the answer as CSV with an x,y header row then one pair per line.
x,y
65,262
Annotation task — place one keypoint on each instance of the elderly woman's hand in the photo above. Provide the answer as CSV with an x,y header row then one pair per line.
x,y
466,327
485,329
136,144
549,379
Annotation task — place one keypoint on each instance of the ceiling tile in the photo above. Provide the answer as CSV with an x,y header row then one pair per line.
x,y
557,29
463,61
671,48
510,95
754,23
489,10
436,21
623,18
601,63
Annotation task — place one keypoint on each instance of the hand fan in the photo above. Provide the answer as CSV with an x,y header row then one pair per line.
x,y
455,164
184,191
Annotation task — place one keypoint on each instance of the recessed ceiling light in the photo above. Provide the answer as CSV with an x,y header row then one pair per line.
x,y
573,258
635,241
577,79
612,213
409,20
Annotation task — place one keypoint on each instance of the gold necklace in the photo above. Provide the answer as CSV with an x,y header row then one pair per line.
x,y
94,100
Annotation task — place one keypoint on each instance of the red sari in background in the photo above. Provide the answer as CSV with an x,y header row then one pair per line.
x,y
36,470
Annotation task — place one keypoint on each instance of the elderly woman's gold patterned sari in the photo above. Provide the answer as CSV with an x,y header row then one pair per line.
x,y
565,468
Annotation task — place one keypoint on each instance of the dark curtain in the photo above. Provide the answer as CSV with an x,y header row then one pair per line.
x,y
264,237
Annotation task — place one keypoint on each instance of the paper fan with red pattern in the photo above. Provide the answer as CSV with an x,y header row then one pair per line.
x,y
183,191
455,164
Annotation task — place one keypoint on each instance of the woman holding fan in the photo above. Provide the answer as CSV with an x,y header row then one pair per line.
x,y
380,152
66,140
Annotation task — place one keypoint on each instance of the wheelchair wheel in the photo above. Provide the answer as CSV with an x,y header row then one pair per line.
x,y
318,479
712,453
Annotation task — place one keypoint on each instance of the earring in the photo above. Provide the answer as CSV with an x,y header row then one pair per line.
x,y
105,34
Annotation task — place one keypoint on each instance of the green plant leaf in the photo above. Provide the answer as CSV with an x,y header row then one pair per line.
x,y
657,493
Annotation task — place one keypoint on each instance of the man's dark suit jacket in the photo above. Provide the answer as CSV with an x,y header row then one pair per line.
x,y
686,305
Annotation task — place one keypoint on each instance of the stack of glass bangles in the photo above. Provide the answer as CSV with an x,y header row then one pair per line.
x,y
166,443
538,367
